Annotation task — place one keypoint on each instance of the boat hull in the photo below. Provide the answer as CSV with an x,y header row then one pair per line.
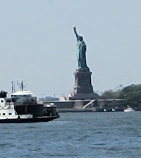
x,y
29,120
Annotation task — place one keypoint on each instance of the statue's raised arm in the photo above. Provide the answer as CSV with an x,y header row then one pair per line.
x,y
81,51
74,28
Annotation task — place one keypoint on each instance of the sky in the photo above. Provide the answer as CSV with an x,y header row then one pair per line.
x,y
38,45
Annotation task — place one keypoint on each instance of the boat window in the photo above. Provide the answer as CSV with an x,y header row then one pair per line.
x,y
3,113
1,100
10,113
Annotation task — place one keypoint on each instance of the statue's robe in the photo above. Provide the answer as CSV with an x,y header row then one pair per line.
x,y
81,55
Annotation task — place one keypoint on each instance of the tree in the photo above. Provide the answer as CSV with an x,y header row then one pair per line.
x,y
132,95
110,94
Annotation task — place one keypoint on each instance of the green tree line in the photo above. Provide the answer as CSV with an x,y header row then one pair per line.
x,y
131,94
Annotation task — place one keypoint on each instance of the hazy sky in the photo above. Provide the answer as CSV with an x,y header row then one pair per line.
x,y
38,46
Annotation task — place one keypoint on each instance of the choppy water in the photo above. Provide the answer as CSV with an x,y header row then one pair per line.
x,y
81,135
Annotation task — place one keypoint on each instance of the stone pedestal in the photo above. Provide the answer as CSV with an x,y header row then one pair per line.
x,y
83,89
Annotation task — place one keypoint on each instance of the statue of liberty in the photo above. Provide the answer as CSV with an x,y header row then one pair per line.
x,y
81,51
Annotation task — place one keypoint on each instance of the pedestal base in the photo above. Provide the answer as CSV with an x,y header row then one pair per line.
x,y
83,89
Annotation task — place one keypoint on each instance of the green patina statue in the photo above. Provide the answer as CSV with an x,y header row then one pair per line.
x,y
81,52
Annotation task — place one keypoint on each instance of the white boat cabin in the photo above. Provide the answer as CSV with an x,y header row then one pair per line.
x,y
7,110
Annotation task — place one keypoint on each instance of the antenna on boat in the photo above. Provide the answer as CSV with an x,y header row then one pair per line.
x,y
22,86
13,86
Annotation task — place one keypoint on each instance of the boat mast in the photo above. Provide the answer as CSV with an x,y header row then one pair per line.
x,y
13,86
22,86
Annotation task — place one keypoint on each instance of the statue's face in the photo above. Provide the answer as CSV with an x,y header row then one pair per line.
x,y
80,38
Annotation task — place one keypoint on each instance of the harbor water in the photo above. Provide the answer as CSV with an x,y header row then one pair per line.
x,y
80,135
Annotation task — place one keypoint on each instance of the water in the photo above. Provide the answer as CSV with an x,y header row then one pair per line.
x,y
80,135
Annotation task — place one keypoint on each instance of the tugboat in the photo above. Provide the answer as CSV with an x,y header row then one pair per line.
x,y
23,108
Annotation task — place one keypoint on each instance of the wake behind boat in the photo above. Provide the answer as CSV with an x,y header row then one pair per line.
x,y
23,108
